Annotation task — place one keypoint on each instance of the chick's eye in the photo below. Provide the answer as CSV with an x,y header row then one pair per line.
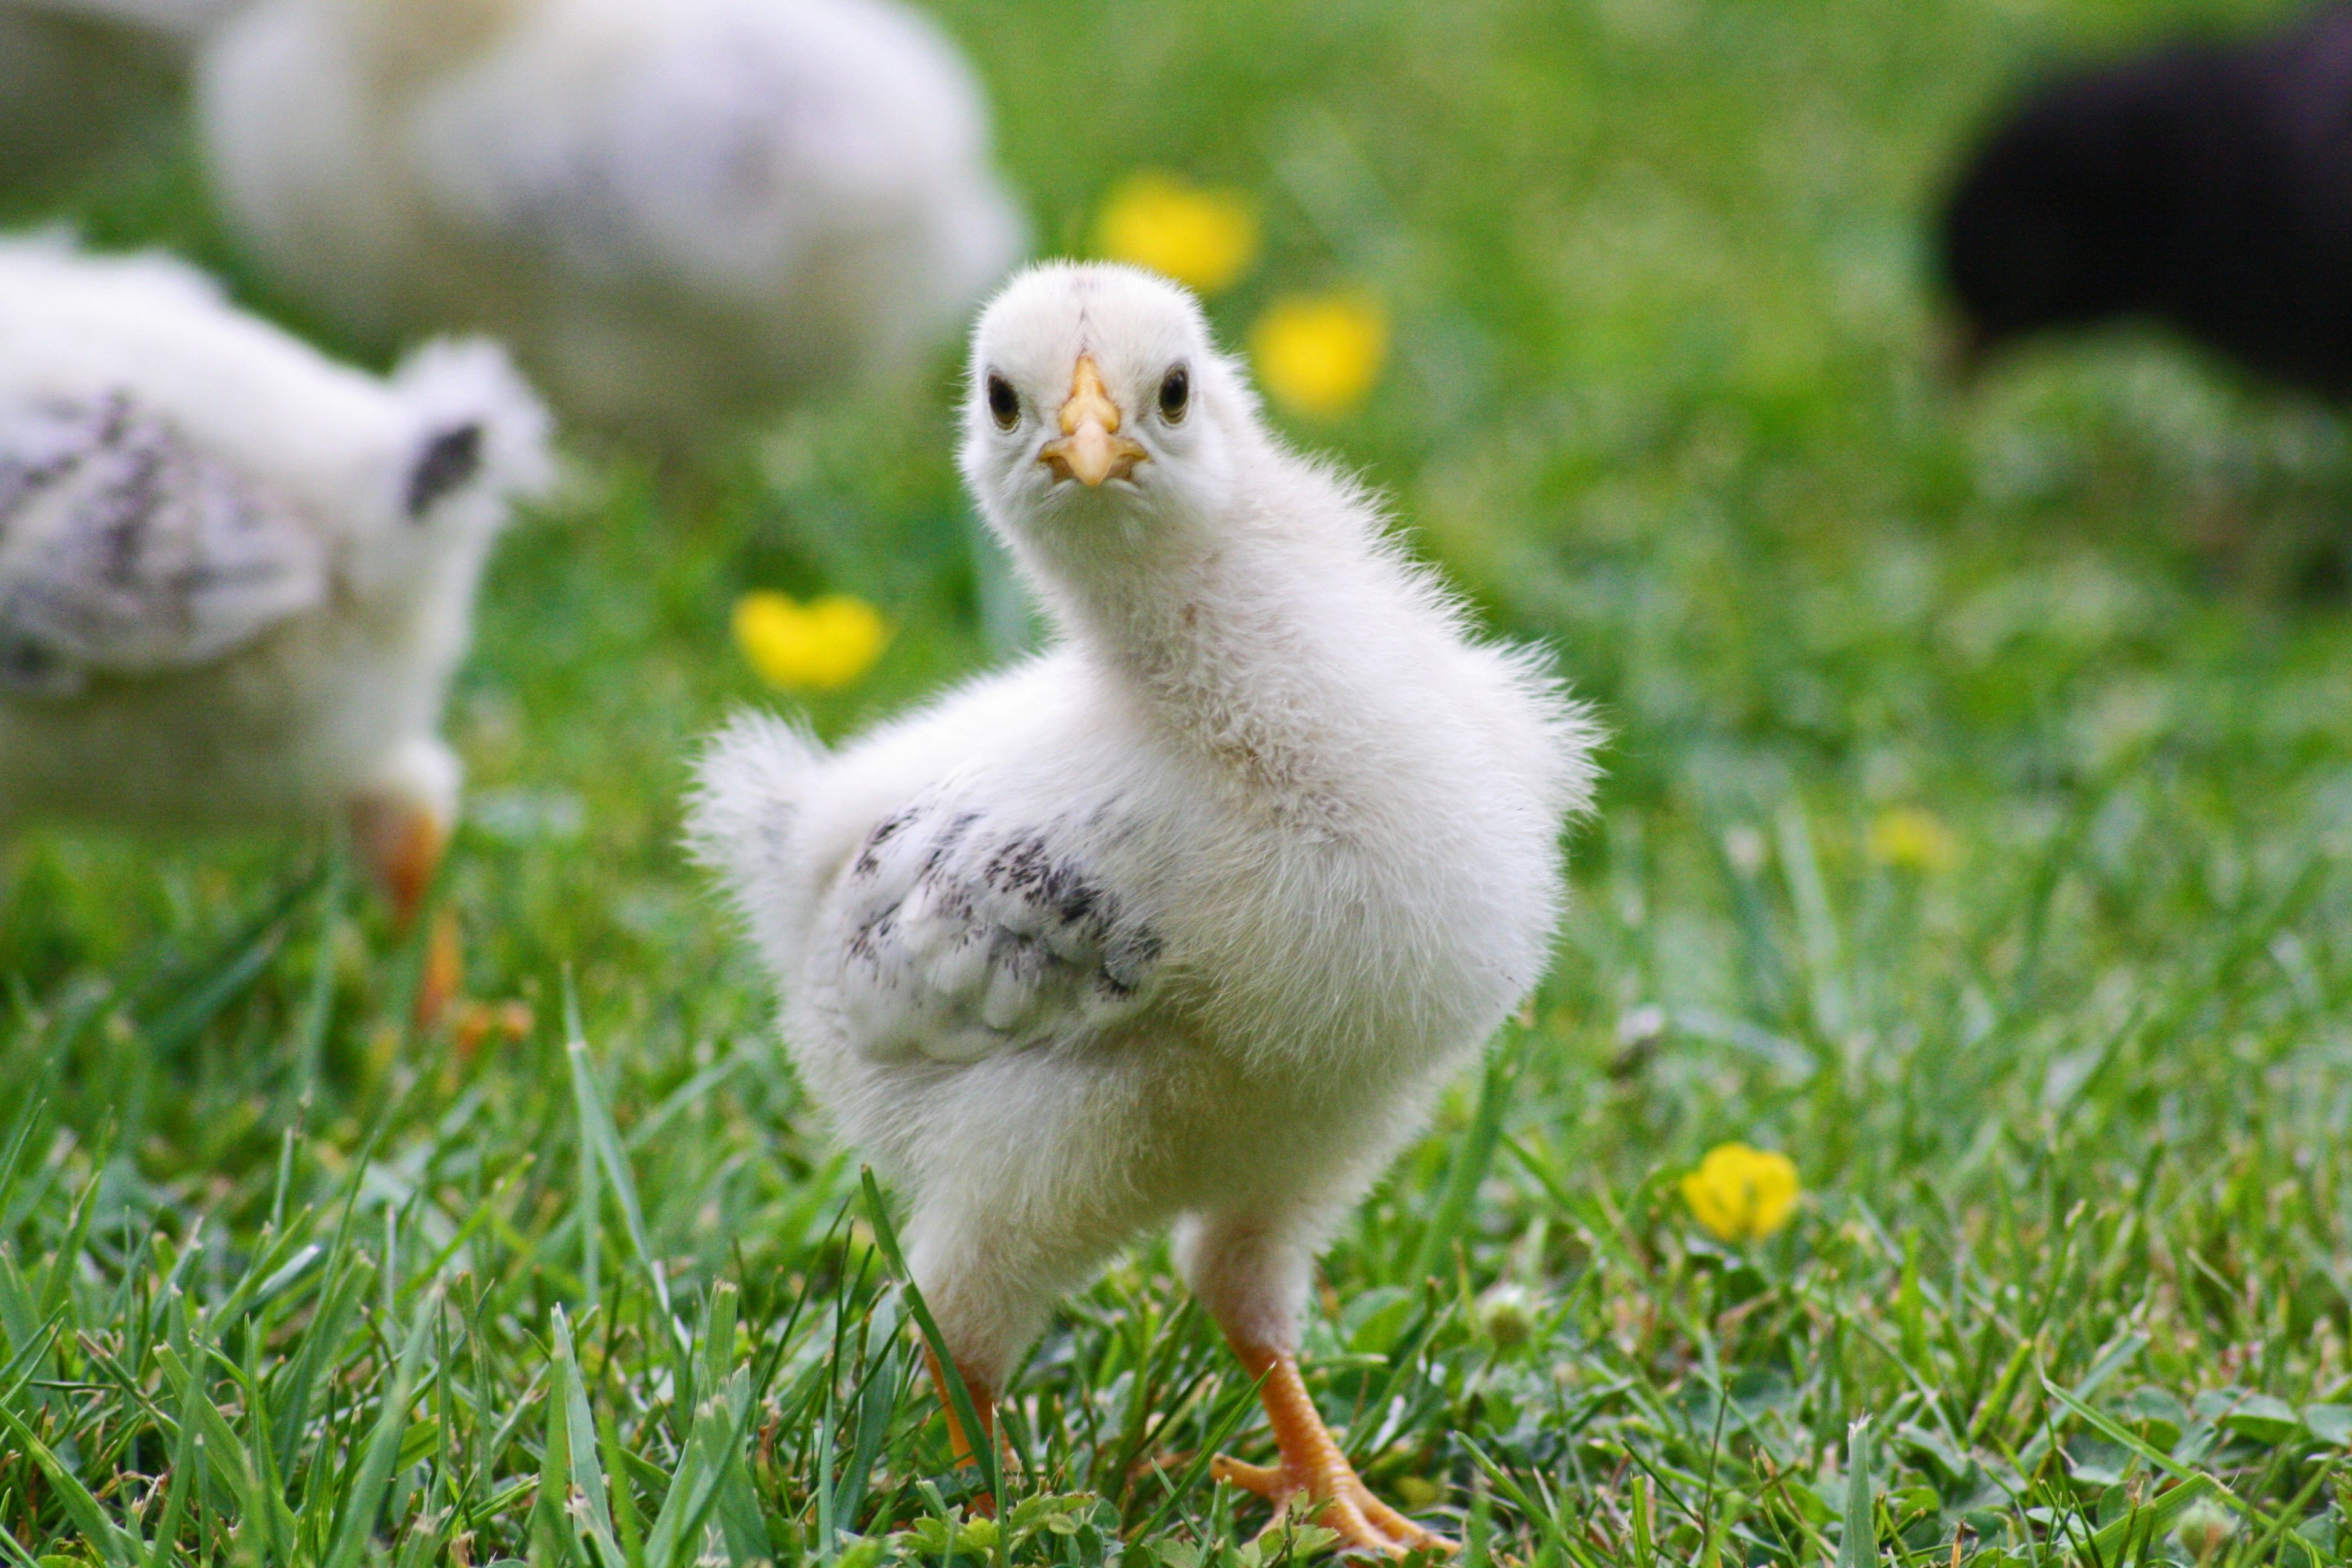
x,y
1176,395
1004,403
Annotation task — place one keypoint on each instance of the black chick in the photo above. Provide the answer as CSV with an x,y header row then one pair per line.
x,y
2205,186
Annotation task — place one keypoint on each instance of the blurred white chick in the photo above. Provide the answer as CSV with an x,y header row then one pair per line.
x,y
1187,919
236,577
674,212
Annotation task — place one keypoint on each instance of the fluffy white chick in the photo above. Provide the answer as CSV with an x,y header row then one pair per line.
x,y
236,577
1187,919
675,212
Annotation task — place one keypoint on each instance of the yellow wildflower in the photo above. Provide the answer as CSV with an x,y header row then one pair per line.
x,y
1741,1193
1911,839
822,646
1203,238
1321,354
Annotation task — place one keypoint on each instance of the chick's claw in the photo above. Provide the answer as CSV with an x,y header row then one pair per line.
x,y
1313,1464
1341,1503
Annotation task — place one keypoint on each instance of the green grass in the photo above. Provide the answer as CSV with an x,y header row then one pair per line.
x,y
279,1283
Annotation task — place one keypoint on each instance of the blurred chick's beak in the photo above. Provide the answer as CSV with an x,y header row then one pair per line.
x,y
1090,448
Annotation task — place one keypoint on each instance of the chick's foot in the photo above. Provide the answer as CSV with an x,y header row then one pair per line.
x,y
1313,1465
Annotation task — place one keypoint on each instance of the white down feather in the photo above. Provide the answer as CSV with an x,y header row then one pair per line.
x,y
674,212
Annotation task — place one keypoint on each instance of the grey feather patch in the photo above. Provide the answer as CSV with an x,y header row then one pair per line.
x,y
125,550
447,465
961,938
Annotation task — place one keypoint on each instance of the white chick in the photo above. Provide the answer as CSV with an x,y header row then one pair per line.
x,y
674,213
235,578
1187,919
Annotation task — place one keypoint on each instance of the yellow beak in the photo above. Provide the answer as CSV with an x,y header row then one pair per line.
x,y
1090,448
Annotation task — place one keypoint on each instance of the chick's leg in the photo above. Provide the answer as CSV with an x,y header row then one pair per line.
x,y
988,1288
399,829
1253,1278
984,1406
401,843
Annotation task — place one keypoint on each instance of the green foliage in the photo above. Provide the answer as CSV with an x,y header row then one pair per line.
x,y
281,1282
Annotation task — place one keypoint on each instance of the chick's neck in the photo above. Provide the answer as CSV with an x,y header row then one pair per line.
x,y
1256,643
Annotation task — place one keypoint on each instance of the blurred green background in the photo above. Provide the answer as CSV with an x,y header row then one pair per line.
x,y
1975,830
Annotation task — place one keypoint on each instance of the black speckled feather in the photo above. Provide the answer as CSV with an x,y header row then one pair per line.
x,y
961,937
124,550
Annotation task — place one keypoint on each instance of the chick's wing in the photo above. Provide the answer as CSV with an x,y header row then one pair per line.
x,y
958,937
126,551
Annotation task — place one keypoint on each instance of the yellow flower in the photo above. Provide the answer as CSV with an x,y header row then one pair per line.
x,y
1741,1193
822,646
1320,354
1911,839
1205,239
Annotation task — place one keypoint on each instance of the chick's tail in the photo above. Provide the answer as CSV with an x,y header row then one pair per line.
x,y
743,816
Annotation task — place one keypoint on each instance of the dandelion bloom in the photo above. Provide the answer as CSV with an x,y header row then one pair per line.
x,y
1741,1193
1321,354
1911,839
1205,239
822,646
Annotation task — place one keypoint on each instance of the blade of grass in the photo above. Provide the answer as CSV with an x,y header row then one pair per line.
x,y
958,1396
356,1523
599,1134
569,1402
1858,1544
1471,1159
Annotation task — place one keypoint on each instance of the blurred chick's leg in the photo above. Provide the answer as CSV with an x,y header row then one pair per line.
x,y
401,843
444,975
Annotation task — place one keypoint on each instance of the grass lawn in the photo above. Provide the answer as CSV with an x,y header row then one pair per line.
x,y
1978,832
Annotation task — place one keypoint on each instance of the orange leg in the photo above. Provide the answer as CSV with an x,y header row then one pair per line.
x,y
444,975
401,845
1313,1464
983,1405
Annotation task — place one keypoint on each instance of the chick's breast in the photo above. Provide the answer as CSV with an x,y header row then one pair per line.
x,y
1059,947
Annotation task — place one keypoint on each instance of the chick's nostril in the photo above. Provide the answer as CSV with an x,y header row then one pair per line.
x,y
1092,455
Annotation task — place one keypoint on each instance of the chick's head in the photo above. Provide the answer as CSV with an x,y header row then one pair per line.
x,y
1100,417
466,438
